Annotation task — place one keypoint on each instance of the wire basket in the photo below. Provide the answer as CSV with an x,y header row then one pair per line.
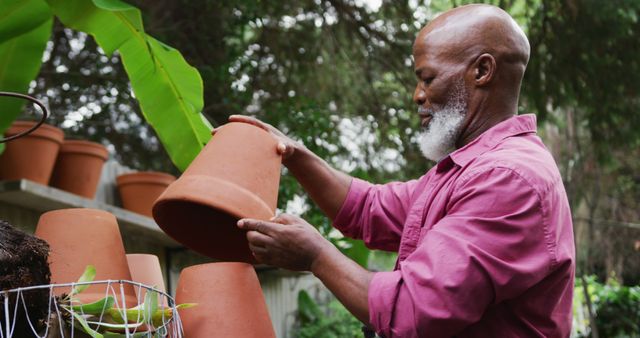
x,y
67,317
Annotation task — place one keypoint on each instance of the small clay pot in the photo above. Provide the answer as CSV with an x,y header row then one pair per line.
x,y
139,190
235,176
31,157
230,302
79,166
146,269
81,237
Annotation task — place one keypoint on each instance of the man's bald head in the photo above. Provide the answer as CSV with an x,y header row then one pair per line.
x,y
476,29
471,58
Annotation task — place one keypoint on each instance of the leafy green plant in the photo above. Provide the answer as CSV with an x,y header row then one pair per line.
x,y
169,90
103,318
616,308
334,321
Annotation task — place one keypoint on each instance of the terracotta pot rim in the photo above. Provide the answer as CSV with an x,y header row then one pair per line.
x,y
45,131
85,147
152,177
141,254
88,210
204,197
216,265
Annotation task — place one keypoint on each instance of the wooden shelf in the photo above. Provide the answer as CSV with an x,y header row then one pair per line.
x,y
40,198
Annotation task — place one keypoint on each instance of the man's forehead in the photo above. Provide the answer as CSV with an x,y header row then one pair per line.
x,y
431,44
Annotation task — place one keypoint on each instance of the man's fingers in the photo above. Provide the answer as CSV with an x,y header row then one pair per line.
x,y
258,225
282,148
285,219
258,239
258,250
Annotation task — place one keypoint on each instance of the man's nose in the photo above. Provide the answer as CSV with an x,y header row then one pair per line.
x,y
419,96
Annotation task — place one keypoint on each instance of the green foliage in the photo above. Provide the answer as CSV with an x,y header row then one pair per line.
x,y
333,322
20,61
585,57
168,89
103,318
87,276
18,17
308,310
95,308
616,307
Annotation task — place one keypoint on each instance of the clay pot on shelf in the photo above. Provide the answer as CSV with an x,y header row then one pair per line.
x,y
81,237
146,269
31,157
79,166
230,302
139,190
235,176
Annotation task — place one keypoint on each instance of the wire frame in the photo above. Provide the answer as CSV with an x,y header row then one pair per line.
x,y
43,108
170,326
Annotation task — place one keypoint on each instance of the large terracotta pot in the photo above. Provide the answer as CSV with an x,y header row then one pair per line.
x,y
146,269
139,190
30,157
81,237
230,302
79,166
235,176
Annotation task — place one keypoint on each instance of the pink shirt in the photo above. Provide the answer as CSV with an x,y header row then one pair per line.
x,y
484,241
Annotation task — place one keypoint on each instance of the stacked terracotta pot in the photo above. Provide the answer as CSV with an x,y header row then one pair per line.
x,y
235,176
146,269
31,157
82,237
230,302
79,166
139,190
44,157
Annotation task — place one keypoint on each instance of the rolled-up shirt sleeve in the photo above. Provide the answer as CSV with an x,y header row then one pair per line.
x,y
492,245
375,213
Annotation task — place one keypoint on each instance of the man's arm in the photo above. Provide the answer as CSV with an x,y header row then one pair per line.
x,y
326,186
347,280
359,209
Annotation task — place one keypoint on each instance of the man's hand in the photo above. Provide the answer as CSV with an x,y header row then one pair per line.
x,y
286,241
290,242
286,146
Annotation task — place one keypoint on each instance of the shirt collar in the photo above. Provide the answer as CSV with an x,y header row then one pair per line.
x,y
516,125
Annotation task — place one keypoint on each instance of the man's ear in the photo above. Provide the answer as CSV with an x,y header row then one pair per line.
x,y
484,68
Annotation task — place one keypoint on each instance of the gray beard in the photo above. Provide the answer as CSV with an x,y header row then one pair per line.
x,y
441,133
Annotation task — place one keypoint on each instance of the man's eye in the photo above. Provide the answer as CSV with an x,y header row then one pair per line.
x,y
427,80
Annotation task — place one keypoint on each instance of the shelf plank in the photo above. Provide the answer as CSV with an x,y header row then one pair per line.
x,y
41,198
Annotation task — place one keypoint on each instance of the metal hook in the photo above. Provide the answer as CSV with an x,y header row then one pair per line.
x,y
45,113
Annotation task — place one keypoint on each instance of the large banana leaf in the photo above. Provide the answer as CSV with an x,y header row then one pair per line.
x,y
168,89
20,61
21,16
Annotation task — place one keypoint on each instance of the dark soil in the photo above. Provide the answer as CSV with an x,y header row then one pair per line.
x,y
23,262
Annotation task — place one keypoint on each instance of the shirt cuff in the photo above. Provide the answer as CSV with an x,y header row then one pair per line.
x,y
344,220
383,291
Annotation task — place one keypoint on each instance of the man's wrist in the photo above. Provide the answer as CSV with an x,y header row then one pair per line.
x,y
323,259
299,151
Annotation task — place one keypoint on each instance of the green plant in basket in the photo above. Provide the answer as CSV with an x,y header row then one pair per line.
x,y
104,319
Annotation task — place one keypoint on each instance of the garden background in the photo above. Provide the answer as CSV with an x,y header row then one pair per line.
x,y
338,76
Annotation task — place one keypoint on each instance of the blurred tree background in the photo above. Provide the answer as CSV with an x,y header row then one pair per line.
x,y
338,76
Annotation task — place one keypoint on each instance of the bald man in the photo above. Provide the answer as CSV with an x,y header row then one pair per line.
x,y
484,239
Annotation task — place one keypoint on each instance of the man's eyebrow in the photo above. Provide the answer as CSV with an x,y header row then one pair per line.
x,y
419,71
